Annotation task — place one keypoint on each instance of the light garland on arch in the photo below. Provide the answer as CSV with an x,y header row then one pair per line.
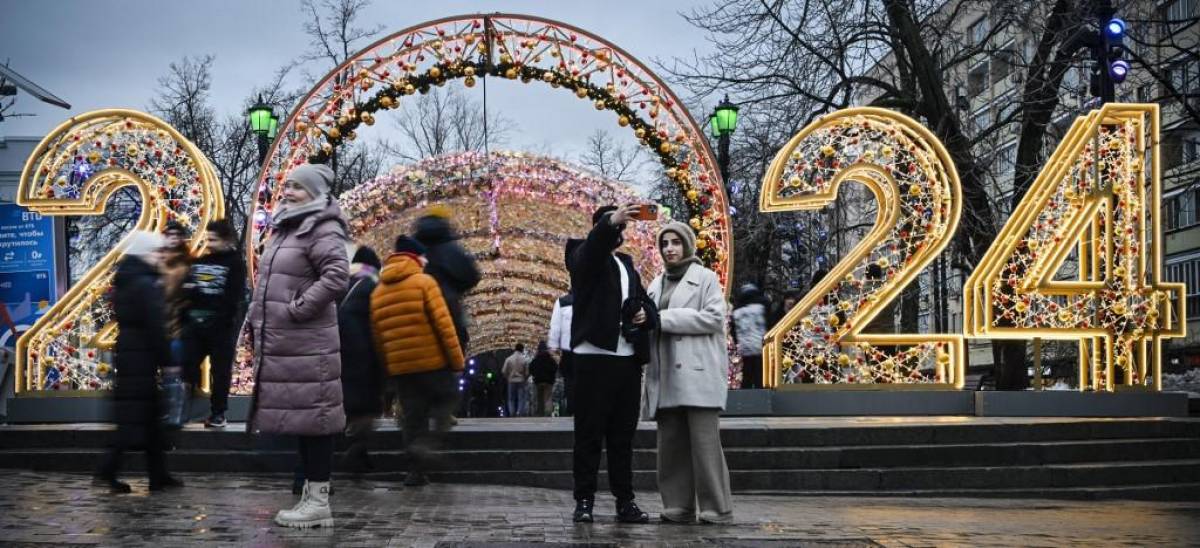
x,y
513,47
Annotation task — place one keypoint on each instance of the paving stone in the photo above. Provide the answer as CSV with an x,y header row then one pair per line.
x,y
218,509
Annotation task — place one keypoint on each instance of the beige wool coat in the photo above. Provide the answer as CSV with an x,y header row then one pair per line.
x,y
689,363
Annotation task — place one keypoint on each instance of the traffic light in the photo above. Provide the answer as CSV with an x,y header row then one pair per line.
x,y
1114,49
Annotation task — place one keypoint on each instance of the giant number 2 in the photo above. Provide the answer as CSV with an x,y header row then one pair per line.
x,y
74,171
1092,197
820,342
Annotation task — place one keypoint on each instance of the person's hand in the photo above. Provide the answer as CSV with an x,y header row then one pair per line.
x,y
640,317
624,214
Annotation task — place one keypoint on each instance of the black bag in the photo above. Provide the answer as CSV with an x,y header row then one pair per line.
x,y
639,335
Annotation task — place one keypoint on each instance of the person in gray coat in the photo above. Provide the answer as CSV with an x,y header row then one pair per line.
x,y
294,327
686,383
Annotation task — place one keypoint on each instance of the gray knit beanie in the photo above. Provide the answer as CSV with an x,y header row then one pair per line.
x,y
315,178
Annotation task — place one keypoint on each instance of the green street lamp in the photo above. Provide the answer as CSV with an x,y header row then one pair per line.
x,y
273,129
261,116
722,124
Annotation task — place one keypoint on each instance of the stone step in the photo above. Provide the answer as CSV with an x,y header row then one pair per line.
x,y
735,433
738,458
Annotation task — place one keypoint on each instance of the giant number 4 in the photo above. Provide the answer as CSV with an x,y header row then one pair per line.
x,y
1092,197
821,342
74,171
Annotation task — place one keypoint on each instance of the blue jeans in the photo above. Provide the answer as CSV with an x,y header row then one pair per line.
x,y
518,402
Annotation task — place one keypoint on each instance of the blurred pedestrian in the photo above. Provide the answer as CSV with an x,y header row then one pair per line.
x,y
212,296
175,265
417,344
362,375
544,370
450,264
516,372
686,383
142,349
293,320
559,339
749,327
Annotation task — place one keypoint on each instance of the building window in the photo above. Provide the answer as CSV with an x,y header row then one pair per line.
x,y
1004,167
1143,93
1184,76
1187,270
1177,14
979,31
1002,64
977,80
1181,210
1191,149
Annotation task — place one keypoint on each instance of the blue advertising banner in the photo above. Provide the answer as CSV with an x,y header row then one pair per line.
x,y
26,270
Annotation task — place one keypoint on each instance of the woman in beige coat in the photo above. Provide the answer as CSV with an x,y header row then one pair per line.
x,y
686,383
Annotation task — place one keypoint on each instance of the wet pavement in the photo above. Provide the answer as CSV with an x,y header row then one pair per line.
x,y
214,510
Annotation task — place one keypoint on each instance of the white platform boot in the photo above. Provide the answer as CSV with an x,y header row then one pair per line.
x,y
312,511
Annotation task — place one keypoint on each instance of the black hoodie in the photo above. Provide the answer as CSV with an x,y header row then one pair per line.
x,y
214,288
451,265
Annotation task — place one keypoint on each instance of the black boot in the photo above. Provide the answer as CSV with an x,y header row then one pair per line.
x,y
583,511
166,481
628,512
112,484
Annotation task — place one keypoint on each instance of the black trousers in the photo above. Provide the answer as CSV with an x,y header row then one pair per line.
x,y
217,343
752,373
608,393
144,432
316,457
566,365
424,396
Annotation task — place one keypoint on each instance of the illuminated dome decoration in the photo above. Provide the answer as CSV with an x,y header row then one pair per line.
x,y
515,212
512,47
74,171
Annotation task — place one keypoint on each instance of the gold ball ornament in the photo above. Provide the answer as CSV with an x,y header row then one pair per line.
x,y
469,81
834,320
334,133
695,223
692,195
435,72
511,74
623,121
842,359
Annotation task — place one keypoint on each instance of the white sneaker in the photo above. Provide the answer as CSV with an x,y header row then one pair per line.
x,y
312,511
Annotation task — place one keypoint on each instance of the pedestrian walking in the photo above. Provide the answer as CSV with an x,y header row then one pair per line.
x,y
452,266
212,295
293,319
749,327
142,349
686,383
516,372
559,339
362,375
608,311
544,371
175,264
418,346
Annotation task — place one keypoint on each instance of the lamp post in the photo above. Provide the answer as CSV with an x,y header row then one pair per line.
x,y
264,124
722,123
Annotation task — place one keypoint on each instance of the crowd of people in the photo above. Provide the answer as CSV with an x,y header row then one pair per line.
x,y
337,333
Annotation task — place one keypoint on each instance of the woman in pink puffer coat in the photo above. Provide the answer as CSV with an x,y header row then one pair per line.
x,y
293,320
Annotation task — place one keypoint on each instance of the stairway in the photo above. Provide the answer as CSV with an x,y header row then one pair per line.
x,y
1144,458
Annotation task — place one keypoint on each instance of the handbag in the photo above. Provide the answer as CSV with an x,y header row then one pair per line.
x,y
174,395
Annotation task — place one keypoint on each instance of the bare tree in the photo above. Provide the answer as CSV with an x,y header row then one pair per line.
x,y
607,158
442,121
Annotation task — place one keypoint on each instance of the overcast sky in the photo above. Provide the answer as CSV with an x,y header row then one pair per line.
x,y
102,54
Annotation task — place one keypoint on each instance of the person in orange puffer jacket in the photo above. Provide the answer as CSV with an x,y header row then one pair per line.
x,y
418,346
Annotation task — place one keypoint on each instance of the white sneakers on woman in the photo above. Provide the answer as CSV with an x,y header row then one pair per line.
x,y
312,510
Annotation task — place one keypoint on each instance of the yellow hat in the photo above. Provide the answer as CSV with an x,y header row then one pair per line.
x,y
439,210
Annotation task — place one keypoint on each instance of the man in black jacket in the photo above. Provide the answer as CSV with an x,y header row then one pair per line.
x,y
607,374
213,291
452,266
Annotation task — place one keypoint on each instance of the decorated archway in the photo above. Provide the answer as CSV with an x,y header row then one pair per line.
x,y
515,213
531,49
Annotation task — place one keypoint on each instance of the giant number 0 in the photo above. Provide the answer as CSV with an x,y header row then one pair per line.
x,y
820,341
74,171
